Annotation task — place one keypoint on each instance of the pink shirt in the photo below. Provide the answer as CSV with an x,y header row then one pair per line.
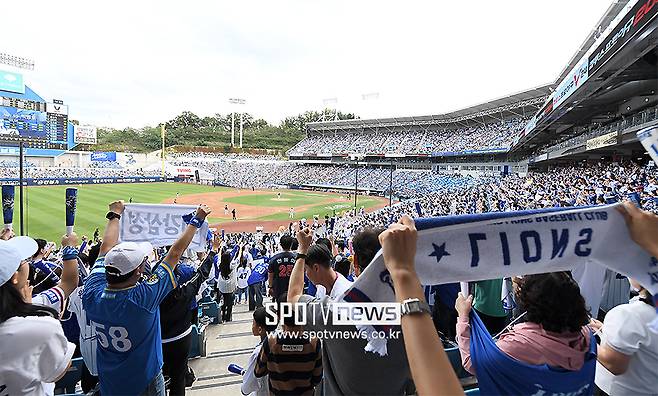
x,y
530,343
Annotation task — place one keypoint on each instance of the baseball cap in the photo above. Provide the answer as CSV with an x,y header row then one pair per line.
x,y
126,256
13,252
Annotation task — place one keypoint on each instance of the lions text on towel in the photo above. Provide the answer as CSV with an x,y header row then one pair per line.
x,y
501,244
159,224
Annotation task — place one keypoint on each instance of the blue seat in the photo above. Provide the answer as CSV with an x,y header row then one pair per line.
x,y
472,392
205,299
211,309
198,347
195,350
456,362
68,382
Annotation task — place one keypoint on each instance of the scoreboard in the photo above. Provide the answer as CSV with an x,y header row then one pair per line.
x,y
38,124
58,119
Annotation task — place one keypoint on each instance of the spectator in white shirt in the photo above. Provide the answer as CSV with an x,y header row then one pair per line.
x,y
243,273
252,385
34,352
628,354
320,273
227,282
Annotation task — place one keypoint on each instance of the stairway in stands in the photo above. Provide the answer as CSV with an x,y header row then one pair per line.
x,y
226,343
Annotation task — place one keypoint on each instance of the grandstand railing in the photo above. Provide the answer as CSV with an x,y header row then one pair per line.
x,y
640,118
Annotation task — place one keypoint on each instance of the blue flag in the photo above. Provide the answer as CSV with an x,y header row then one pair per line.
x,y
71,204
8,193
500,374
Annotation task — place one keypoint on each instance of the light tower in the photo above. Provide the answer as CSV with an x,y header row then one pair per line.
x,y
239,102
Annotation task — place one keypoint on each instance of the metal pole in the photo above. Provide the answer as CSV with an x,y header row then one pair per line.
x,y
233,129
20,186
241,122
390,186
356,184
162,135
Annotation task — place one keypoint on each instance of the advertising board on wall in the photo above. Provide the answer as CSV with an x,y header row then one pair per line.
x,y
104,156
609,139
85,134
634,21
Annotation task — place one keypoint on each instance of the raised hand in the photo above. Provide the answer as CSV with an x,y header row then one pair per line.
x,y
117,207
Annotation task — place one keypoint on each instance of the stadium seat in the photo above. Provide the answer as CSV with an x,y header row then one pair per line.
x,y
211,310
71,378
198,347
206,299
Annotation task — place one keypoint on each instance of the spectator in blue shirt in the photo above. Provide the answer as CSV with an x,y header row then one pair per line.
x,y
124,310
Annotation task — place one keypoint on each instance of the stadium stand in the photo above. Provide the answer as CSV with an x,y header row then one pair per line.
x,y
564,145
482,137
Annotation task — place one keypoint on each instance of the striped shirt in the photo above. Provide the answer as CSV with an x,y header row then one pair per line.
x,y
294,364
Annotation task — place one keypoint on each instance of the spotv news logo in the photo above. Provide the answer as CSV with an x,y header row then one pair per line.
x,y
338,313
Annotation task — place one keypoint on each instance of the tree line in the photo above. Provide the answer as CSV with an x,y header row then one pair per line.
x,y
189,129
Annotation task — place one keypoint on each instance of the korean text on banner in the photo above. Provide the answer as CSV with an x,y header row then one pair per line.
x,y
159,224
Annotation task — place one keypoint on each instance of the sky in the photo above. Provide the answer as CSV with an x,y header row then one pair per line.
x,y
137,63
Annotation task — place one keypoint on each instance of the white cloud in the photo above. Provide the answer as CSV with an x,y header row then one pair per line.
x,y
141,62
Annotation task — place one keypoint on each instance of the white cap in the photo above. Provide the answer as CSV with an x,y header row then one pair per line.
x,y
126,256
12,252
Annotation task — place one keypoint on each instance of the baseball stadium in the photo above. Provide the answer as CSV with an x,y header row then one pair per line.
x,y
510,245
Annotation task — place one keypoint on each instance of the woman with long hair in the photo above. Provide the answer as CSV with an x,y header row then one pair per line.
x,y
227,281
34,352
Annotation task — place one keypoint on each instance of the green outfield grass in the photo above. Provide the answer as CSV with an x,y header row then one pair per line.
x,y
44,206
325,209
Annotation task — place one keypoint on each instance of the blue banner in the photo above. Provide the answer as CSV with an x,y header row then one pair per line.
x,y
8,193
82,180
104,156
71,203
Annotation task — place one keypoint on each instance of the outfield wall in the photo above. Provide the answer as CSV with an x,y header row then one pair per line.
x,y
81,180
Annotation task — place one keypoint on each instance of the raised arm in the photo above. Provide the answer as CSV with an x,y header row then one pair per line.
x,y
191,287
296,285
643,227
238,258
430,368
111,235
178,248
69,279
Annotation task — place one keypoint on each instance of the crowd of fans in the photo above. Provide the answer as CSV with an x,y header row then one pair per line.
x,y
128,309
59,172
195,155
481,137
135,305
576,185
105,165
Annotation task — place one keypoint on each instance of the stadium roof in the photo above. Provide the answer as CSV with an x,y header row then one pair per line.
x,y
28,95
597,30
534,97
